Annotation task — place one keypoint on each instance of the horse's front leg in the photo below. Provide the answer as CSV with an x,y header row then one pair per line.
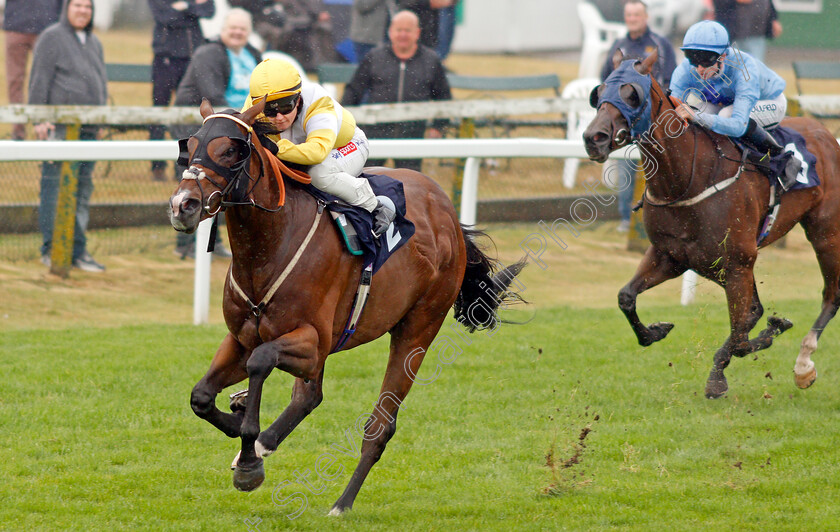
x,y
226,369
656,267
306,396
739,283
296,353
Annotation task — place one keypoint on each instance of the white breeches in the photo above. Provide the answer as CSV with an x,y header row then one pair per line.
x,y
337,175
767,113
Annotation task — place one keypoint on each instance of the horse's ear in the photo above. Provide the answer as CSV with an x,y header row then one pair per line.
x,y
205,108
617,58
254,111
648,63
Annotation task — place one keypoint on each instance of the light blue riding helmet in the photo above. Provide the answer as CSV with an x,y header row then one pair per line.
x,y
706,35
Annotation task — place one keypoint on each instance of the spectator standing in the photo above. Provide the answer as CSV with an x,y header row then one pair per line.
x,y
219,71
305,33
267,17
427,13
446,29
750,23
402,71
23,21
68,68
177,35
368,24
639,43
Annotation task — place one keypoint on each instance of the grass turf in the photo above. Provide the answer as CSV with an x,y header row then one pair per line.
x,y
99,434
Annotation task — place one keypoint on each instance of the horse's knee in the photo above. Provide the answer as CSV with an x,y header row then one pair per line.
x,y
262,360
201,400
312,400
626,300
757,311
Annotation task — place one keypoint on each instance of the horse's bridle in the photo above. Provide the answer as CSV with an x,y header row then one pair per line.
x,y
235,188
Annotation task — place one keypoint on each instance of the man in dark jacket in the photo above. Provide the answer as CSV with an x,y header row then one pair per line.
x,y
750,23
23,21
68,68
221,72
177,35
639,43
402,71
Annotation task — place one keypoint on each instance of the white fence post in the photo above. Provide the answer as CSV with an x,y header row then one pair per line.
x,y
201,289
469,192
689,284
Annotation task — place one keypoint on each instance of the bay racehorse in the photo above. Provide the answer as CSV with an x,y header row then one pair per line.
x,y
704,209
305,305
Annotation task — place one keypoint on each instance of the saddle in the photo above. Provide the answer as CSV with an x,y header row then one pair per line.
x,y
794,168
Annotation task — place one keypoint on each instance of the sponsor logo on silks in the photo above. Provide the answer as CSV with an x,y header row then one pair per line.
x,y
347,149
765,107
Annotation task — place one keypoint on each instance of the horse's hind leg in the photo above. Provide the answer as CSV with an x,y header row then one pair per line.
x,y
225,370
409,341
656,267
827,248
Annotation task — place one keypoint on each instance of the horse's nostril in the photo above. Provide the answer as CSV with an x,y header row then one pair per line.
x,y
599,137
190,205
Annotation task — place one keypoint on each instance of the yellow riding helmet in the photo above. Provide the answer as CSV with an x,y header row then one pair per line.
x,y
276,79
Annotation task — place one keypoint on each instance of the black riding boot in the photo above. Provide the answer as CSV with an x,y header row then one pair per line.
x,y
757,137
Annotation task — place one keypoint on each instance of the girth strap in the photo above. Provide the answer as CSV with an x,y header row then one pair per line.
x,y
358,306
258,309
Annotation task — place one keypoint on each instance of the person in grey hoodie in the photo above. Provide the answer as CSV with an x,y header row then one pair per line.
x,y
68,68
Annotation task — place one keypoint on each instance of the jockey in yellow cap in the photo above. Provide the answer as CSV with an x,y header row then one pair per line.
x,y
316,130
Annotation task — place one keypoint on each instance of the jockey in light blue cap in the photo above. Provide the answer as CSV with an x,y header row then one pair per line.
x,y
727,90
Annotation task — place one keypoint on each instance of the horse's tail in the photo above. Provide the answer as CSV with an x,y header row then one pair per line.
x,y
485,285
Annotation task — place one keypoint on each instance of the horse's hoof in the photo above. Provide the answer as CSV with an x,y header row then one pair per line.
x,y
338,510
655,332
716,386
779,324
238,400
805,381
249,478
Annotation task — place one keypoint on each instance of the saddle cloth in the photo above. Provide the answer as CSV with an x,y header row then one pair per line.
x,y
794,145
388,190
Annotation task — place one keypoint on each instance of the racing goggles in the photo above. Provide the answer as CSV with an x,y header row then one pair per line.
x,y
703,58
281,106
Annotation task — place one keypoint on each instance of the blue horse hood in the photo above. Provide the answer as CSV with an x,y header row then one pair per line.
x,y
638,119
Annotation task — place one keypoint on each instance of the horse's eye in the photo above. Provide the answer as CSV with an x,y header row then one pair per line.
x,y
632,94
230,152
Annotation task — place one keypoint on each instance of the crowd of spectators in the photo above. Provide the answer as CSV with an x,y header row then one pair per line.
x,y
400,46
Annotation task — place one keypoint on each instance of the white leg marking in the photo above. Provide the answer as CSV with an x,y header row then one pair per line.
x,y
804,364
235,460
261,451
334,512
